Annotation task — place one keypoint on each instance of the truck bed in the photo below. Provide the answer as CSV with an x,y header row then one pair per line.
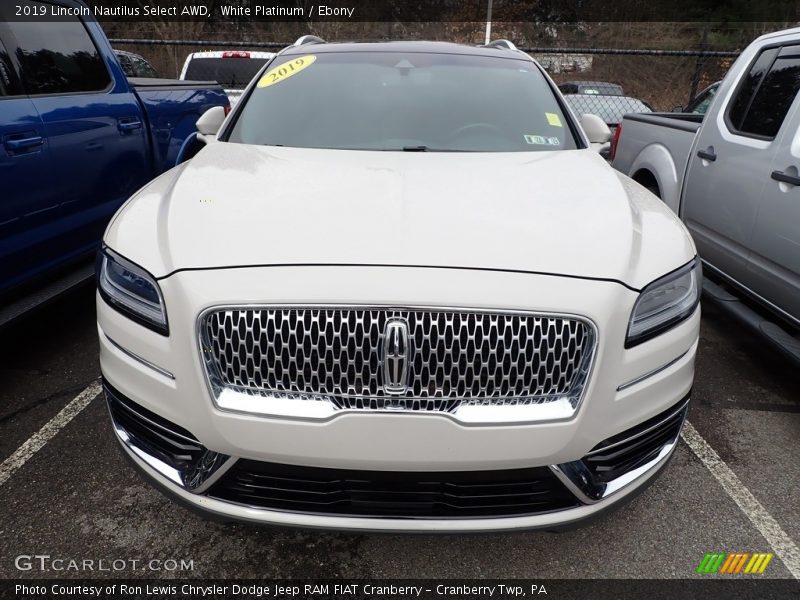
x,y
682,121
654,148
172,108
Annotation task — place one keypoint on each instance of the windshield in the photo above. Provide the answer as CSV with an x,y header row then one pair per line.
x,y
229,72
409,101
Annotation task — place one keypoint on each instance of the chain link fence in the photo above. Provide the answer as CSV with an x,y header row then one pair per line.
x,y
612,82
604,81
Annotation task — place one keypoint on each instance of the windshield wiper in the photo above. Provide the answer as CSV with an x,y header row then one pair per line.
x,y
429,149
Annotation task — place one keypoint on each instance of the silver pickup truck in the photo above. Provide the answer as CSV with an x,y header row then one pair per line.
x,y
732,176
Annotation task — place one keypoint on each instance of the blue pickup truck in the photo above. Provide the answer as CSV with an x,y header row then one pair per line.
x,y
77,138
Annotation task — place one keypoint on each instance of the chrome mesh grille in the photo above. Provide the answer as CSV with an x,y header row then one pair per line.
x,y
456,358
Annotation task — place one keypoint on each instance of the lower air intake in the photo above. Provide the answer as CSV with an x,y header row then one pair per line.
x,y
393,494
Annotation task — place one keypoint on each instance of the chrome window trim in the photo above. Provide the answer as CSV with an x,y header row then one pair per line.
x,y
487,415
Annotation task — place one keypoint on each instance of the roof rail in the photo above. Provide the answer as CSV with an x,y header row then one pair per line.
x,y
308,39
501,44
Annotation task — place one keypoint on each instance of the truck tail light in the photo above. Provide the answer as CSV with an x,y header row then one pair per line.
x,y
612,151
235,54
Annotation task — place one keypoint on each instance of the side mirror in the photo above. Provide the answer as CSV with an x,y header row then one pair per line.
x,y
211,121
596,130
677,109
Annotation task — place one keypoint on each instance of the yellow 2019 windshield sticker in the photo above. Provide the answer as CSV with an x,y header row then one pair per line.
x,y
553,119
286,70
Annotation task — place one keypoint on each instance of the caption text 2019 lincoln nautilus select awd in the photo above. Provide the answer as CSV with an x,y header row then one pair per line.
x,y
398,289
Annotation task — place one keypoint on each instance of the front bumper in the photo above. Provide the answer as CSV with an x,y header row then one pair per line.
x,y
230,488
628,388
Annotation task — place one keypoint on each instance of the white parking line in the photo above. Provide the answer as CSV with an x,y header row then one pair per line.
x,y
37,441
781,543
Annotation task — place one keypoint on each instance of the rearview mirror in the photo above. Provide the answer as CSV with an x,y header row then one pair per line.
x,y
596,130
211,121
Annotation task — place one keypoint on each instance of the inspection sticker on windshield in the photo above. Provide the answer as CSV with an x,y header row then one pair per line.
x,y
539,140
286,70
553,119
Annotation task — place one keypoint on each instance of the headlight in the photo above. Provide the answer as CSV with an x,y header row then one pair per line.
x,y
132,291
664,303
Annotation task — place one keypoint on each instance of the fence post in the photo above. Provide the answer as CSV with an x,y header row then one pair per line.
x,y
699,66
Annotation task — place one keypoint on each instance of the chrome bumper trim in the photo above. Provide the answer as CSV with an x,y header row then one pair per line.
x,y
641,378
638,434
197,477
212,466
579,479
237,512
141,360
233,401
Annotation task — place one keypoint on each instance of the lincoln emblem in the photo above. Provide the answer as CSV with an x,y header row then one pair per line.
x,y
395,357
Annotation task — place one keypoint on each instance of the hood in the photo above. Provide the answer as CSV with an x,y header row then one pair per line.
x,y
564,212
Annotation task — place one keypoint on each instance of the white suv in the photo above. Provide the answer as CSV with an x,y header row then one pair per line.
x,y
398,290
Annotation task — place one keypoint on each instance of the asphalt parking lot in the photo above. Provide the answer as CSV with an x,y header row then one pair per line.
x,y
734,489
